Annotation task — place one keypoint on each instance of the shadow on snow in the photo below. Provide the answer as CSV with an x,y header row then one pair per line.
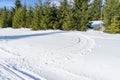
x,y
12,37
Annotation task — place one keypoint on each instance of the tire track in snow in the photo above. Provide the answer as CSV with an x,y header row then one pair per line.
x,y
16,74
88,42
83,45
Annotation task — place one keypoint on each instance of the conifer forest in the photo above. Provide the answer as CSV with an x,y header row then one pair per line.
x,y
74,15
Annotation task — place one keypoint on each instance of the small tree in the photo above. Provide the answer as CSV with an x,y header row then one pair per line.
x,y
95,10
19,19
114,27
110,13
37,16
81,8
3,18
29,16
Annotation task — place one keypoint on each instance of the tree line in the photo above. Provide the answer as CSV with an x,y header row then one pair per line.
x,y
68,15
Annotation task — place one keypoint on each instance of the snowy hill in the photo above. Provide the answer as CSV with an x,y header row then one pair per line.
x,y
58,55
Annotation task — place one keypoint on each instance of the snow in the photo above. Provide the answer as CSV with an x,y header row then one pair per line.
x,y
96,24
58,55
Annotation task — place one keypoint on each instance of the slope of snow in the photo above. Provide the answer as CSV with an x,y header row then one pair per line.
x,y
58,55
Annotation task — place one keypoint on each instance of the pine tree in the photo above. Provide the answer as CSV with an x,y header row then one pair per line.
x,y
95,10
46,21
81,14
9,18
37,16
29,19
17,4
67,18
19,19
63,14
115,24
3,18
110,12
54,17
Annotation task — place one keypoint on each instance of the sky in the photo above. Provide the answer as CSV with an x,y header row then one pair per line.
x,y
10,3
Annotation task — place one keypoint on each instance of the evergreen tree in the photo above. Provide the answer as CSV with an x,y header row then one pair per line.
x,y
19,19
54,17
111,12
37,16
115,24
17,4
46,21
9,18
95,10
67,15
81,14
3,18
29,19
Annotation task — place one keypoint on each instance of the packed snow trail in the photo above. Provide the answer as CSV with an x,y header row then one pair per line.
x,y
81,43
58,55
15,74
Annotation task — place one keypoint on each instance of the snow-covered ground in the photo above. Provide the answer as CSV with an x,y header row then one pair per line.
x,y
58,55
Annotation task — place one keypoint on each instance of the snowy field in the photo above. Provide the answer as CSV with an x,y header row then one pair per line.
x,y
58,55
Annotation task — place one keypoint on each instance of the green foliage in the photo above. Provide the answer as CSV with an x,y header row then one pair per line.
x,y
114,27
81,14
5,18
110,11
37,16
19,19
29,16
63,14
17,4
95,10
67,16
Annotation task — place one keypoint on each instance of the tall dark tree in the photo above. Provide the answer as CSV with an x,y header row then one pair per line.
x,y
95,10
47,16
17,4
9,18
19,19
81,14
37,16
66,15
3,18
54,17
29,16
112,14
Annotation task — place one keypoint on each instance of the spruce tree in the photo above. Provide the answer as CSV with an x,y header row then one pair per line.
x,y
29,16
67,17
3,18
115,24
111,12
63,14
81,14
17,4
95,10
19,19
54,17
37,16
46,21
9,18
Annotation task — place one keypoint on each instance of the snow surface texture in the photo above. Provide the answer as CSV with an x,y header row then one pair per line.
x,y
58,55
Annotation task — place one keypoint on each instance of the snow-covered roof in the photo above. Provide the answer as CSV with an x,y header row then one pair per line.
x,y
96,24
